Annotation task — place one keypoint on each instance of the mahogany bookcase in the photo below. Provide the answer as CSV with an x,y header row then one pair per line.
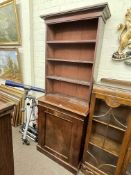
x,y
73,42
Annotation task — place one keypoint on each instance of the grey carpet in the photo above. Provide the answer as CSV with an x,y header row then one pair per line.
x,y
28,161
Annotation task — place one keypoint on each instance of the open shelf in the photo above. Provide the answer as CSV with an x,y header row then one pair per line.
x,y
69,99
70,72
74,30
107,144
82,52
68,80
70,51
71,90
71,42
71,61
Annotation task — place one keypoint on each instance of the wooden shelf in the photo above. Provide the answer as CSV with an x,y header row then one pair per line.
x,y
84,83
110,125
70,104
109,145
69,98
71,41
70,61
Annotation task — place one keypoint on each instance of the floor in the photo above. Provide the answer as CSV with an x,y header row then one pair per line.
x,y
28,161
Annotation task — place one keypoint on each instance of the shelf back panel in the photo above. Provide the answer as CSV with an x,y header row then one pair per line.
x,y
77,30
84,52
68,89
70,70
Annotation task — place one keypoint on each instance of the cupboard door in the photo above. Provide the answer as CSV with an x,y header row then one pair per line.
x,y
58,136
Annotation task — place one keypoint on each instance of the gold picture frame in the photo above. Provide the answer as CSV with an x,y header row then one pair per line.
x,y
15,96
9,24
10,68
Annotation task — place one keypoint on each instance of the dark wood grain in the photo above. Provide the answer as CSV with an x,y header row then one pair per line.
x,y
6,149
57,132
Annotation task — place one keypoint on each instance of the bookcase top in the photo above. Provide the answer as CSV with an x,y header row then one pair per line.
x,y
97,9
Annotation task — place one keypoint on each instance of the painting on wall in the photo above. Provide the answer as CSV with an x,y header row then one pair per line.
x,y
9,24
9,65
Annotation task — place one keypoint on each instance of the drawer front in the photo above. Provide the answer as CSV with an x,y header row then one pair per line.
x,y
60,134
57,113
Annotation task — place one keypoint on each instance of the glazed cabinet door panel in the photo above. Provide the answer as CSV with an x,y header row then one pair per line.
x,y
128,159
108,135
58,134
124,163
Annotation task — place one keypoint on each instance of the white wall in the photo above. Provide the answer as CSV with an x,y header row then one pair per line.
x,y
32,51
26,49
107,68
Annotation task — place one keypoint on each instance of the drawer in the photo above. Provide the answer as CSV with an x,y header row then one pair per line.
x,y
46,110
53,112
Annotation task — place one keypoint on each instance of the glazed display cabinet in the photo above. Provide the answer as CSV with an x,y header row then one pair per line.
x,y
107,148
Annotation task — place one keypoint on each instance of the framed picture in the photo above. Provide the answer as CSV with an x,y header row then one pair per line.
x,y
9,24
15,96
10,65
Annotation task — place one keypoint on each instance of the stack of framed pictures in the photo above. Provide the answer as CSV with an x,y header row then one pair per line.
x,y
16,97
10,67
